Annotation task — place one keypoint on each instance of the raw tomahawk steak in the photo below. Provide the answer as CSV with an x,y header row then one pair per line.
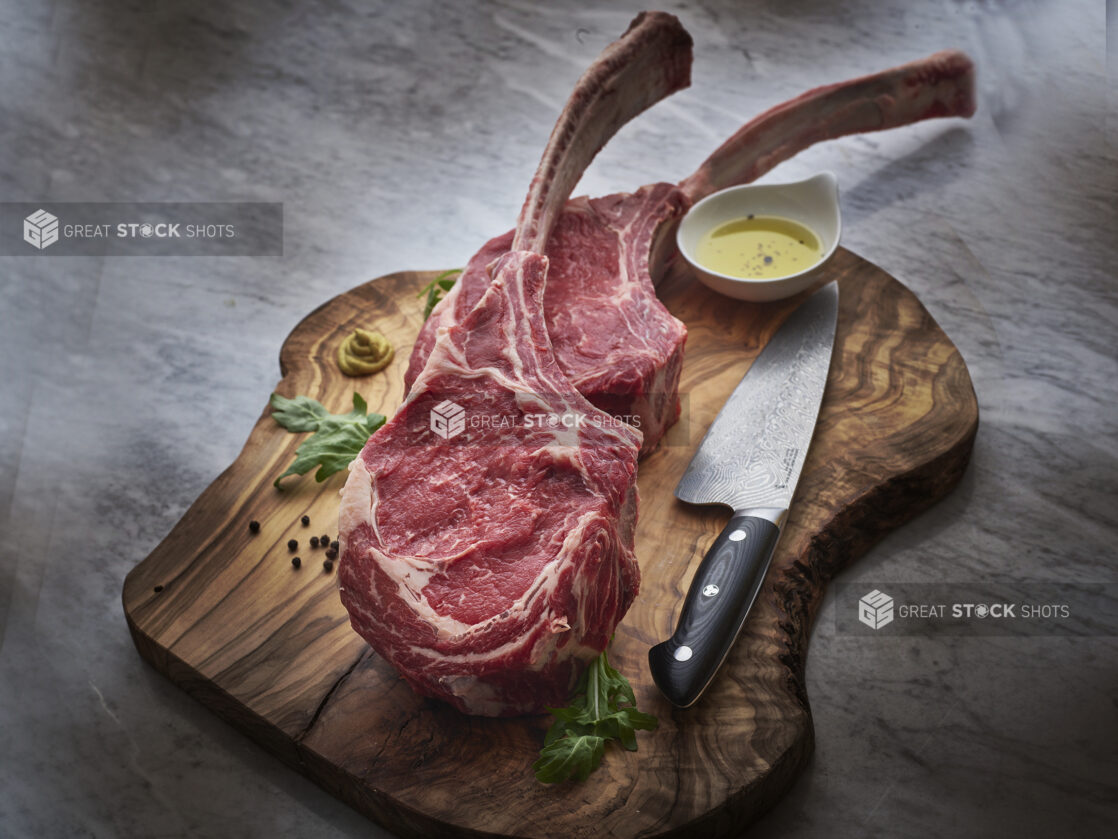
x,y
613,338
487,529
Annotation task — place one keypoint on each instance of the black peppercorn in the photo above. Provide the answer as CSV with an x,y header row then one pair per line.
x,y
324,539
292,545
327,566
334,545
314,541
254,526
305,520
296,562
332,553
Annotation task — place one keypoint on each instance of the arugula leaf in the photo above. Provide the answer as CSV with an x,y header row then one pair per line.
x,y
435,289
337,438
574,756
603,709
298,414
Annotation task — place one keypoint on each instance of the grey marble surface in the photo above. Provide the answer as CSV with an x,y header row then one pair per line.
x,y
401,136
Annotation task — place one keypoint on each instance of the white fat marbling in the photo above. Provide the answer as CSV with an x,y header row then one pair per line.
x,y
401,135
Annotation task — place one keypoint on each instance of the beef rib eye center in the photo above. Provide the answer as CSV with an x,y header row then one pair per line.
x,y
495,504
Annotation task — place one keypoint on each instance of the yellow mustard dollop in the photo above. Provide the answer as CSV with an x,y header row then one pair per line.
x,y
364,352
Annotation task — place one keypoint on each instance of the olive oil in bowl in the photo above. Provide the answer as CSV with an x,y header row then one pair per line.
x,y
759,247
763,242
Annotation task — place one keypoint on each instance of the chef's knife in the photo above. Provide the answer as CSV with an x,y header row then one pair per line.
x,y
749,460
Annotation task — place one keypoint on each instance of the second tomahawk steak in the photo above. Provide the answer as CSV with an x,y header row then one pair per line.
x,y
613,338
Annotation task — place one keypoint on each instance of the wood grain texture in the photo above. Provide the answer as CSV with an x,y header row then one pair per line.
x,y
269,647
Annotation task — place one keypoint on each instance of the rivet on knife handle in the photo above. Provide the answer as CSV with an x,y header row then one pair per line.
x,y
717,603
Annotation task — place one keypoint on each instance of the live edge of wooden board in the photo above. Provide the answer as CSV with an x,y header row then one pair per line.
x,y
224,615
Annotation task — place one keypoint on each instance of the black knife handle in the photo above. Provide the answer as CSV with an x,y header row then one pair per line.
x,y
721,594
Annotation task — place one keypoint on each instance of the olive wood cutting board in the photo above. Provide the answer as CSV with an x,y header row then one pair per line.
x,y
223,613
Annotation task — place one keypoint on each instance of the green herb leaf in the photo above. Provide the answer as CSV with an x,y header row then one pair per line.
x,y
603,709
298,414
337,438
438,287
573,756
